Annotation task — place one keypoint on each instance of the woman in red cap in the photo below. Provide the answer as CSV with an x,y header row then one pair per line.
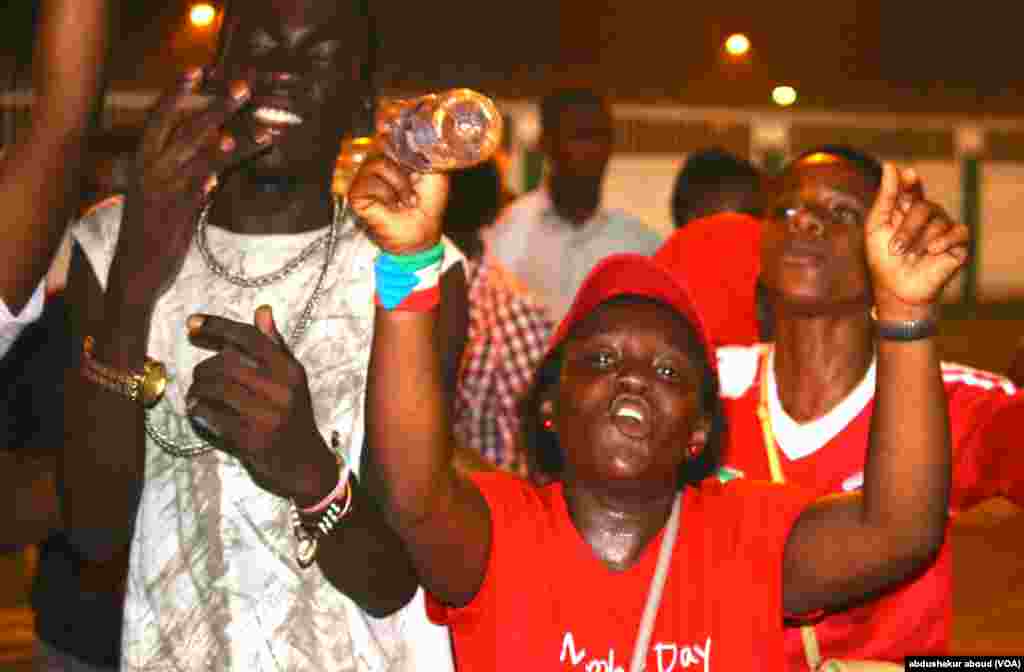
x,y
634,559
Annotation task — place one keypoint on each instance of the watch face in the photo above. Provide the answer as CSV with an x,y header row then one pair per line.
x,y
154,381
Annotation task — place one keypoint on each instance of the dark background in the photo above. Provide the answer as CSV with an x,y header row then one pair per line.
x,y
843,55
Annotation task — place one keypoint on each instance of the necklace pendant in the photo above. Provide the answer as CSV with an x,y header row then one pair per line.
x,y
306,553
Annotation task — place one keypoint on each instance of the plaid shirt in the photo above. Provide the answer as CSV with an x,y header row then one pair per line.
x,y
508,336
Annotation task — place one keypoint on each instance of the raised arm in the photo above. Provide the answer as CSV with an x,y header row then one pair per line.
x,y
40,174
367,560
846,547
442,518
104,447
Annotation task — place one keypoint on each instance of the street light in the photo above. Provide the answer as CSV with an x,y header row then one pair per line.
x,y
202,14
784,96
737,44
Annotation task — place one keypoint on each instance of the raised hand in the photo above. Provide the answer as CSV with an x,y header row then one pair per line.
x,y
913,247
402,210
254,396
69,59
176,168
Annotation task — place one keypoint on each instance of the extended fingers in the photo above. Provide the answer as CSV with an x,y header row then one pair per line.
x,y
191,135
198,176
228,404
205,167
163,118
184,153
234,368
886,201
218,333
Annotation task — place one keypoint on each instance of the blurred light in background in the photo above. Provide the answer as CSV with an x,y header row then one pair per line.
x,y
202,14
737,44
784,96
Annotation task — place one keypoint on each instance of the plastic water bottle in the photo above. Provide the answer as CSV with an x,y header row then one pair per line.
x,y
439,132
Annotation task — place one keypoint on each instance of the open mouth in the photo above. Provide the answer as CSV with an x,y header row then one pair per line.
x,y
802,260
275,116
631,415
803,255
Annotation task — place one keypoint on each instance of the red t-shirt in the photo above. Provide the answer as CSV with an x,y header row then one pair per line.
x,y
547,603
826,456
718,258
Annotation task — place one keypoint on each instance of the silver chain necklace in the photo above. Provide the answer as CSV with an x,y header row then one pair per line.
x,y
198,446
238,279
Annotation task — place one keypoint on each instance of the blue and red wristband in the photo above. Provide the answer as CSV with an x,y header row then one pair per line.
x,y
409,282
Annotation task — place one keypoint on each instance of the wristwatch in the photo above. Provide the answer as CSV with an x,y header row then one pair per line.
x,y
906,330
146,387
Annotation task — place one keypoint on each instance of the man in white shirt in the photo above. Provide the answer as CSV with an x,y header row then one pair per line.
x,y
552,236
245,551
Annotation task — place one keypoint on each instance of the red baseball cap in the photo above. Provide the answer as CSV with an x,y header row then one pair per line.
x,y
633,275
719,259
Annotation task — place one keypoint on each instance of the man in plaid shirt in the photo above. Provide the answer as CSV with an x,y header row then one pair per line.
x,y
508,328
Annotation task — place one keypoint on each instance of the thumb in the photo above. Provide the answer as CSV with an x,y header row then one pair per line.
x,y
264,321
887,201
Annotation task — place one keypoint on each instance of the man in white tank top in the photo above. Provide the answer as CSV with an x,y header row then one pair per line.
x,y
231,210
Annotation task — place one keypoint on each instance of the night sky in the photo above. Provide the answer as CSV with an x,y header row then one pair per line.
x,y
843,55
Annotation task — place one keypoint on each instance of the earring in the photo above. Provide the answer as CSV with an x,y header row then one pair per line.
x,y
548,424
694,450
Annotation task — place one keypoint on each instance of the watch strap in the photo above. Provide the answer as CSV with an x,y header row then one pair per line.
x,y
904,330
130,384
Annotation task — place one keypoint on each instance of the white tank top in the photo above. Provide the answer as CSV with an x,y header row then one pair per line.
x,y
213,582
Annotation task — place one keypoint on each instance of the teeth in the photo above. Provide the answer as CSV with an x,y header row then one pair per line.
x,y
627,412
273,115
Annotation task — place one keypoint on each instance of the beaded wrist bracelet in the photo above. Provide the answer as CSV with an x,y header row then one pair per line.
x,y
328,511
310,532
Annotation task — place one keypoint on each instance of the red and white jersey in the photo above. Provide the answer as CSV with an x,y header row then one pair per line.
x,y
827,455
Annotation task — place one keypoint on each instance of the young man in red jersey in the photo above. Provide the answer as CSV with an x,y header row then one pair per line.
x,y
815,389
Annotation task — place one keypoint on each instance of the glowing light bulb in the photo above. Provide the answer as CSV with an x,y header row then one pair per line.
x,y
202,14
737,44
784,96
